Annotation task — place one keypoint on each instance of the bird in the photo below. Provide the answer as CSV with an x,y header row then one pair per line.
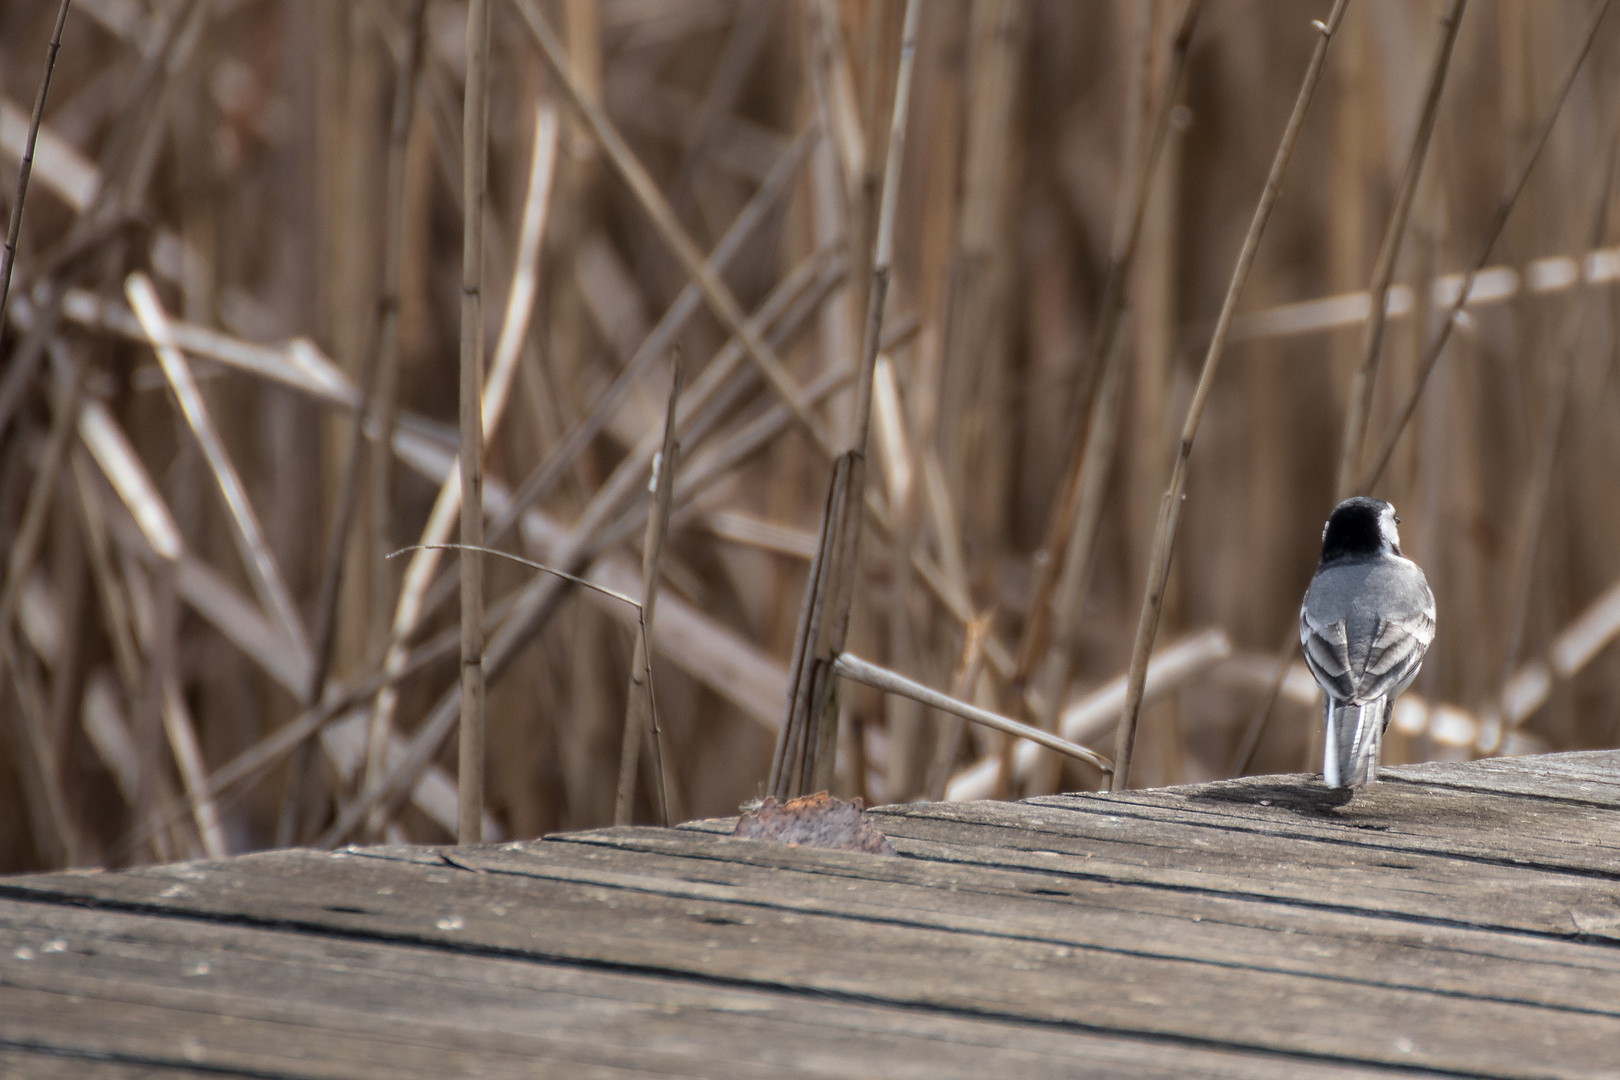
x,y
1365,624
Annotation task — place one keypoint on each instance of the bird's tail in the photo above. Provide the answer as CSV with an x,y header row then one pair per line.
x,y
1350,753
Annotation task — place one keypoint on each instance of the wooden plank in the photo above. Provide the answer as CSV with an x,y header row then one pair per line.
x,y
767,945
1406,816
1591,776
1143,845
1456,918
1040,905
80,1020
45,1063
1193,926
295,1005
1040,902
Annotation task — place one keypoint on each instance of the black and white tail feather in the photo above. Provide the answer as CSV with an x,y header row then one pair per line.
x,y
1367,620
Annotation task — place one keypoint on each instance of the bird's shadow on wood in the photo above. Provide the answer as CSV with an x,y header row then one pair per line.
x,y
1308,797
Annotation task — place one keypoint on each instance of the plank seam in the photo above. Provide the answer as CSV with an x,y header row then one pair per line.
x,y
1461,785
1236,824
70,1053
1577,938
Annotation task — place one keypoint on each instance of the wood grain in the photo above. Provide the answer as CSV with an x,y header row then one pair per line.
x,y
1458,919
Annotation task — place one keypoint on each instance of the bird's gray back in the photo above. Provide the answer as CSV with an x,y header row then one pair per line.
x,y
1365,626
1362,591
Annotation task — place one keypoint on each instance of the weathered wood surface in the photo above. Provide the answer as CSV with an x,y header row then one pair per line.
x,y
1454,920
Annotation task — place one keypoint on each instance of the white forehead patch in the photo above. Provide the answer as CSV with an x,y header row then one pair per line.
x,y
1386,526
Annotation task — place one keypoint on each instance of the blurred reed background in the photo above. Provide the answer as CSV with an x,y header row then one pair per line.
x,y
238,231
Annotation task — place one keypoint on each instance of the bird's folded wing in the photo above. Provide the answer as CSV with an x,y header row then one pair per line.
x,y
1327,654
1396,651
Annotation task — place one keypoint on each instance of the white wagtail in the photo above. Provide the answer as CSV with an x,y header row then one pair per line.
x,y
1367,620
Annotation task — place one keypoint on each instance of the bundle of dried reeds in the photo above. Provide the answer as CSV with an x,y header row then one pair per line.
x,y
982,340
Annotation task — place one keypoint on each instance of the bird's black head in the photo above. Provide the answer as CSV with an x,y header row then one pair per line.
x,y
1360,527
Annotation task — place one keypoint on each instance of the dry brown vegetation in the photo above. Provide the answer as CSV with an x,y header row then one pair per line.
x,y
241,237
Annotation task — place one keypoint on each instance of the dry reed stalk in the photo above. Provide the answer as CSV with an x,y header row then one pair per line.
x,y
114,608
113,196
623,485
1170,508
159,694
663,220
49,815
446,121
70,595
584,28
54,624
258,759
1155,298
1092,716
793,397
805,750
640,718
147,148
339,703
181,730
898,517
964,685
153,821
1493,285
1256,728
833,84
1533,512
1065,557
985,113
44,780
382,396
544,476
383,400
535,602
1145,440
835,170
376,391
156,623
236,617
731,666
1095,461
853,667
1355,430
745,39
1374,472
245,528
413,604
475,150
1359,104
8,256
1064,183
943,520
155,536
538,484
25,546
1572,649
1372,340
875,84
895,456
974,289
719,462
1544,456
947,580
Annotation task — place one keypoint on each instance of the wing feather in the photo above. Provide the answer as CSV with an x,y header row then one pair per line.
x,y
1378,665
1395,654
1327,654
